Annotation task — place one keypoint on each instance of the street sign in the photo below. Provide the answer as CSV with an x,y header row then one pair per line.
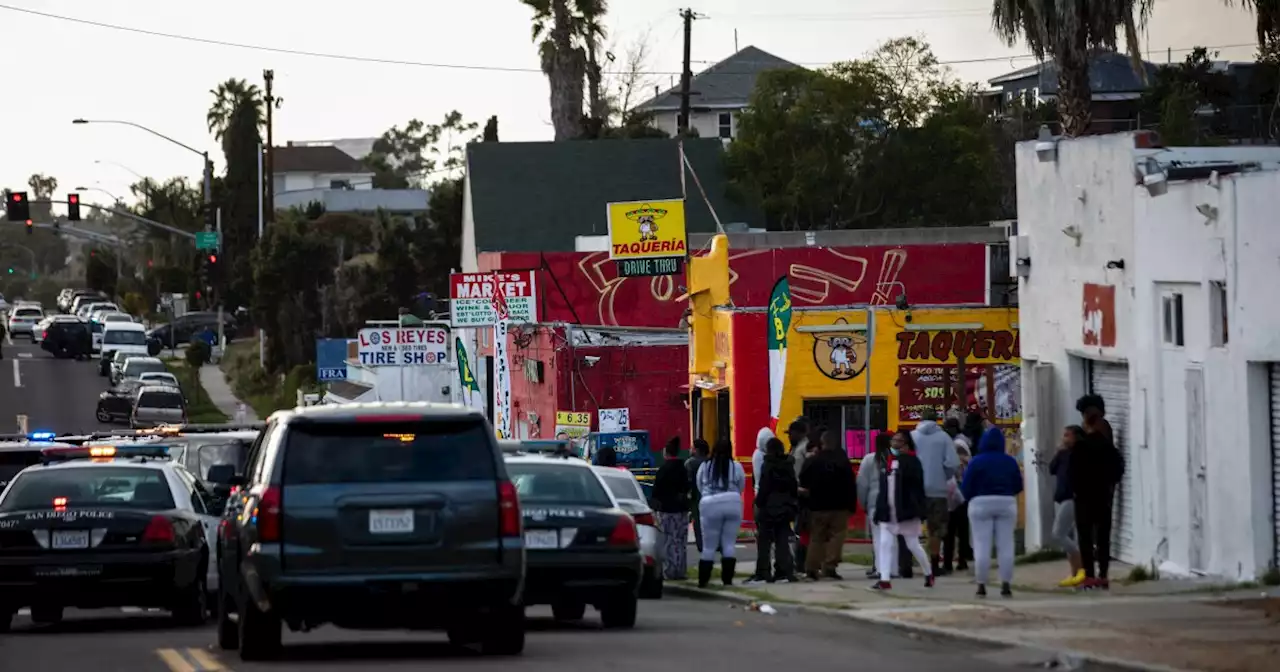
x,y
207,240
331,359
404,346
471,297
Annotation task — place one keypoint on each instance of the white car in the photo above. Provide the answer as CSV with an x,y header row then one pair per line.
x,y
627,492
85,311
159,378
121,337
23,319
114,317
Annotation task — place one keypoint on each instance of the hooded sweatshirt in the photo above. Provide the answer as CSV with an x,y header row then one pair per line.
x,y
937,453
757,458
992,472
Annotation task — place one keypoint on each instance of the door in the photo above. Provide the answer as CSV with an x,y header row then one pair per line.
x,y
1197,470
1110,381
1275,460
200,503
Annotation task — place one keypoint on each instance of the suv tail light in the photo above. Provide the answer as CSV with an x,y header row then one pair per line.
x,y
509,509
624,534
645,519
266,514
159,531
44,334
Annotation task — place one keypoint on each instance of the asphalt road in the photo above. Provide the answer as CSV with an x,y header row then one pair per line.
x,y
673,633
54,394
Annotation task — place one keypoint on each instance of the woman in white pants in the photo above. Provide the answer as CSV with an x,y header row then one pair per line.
x,y
899,508
992,483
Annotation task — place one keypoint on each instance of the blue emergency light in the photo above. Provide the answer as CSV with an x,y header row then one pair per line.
x,y
42,436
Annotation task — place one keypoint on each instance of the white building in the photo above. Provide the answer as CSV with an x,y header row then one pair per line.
x,y
718,95
306,173
1148,278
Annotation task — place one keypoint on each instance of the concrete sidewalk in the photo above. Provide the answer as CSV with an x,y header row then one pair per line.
x,y
1152,625
215,384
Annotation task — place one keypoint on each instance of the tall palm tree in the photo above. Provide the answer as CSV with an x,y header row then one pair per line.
x,y
589,28
1066,30
1268,20
560,27
227,98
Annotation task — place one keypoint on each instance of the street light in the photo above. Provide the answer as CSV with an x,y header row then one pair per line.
x,y
208,165
121,166
115,198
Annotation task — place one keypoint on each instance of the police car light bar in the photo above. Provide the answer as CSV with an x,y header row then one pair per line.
x,y
43,436
61,454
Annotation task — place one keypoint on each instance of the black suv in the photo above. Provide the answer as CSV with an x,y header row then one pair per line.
x,y
181,330
67,338
373,516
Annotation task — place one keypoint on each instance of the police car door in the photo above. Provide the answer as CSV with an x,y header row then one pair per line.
x,y
201,499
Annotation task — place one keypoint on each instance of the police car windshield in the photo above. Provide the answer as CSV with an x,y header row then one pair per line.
x,y
89,487
226,452
557,484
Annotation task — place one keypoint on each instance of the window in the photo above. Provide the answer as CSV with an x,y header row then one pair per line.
x,y
90,486
1172,316
391,452
197,497
133,368
161,400
124,337
726,124
623,487
1218,312
845,417
340,184
557,484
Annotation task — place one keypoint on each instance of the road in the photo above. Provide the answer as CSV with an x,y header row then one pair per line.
x,y
54,394
673,633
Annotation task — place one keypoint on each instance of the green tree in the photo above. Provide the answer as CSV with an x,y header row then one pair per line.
x,y
568,34
1189,101
43,187
289,274
490,130
229,97
100,271
408,158
1267,26
236,119
1065,30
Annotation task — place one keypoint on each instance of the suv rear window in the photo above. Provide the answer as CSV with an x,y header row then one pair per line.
x,y
14,461
90,486
134,367
29,312
160,400
391,452
623,488
557,484
124,337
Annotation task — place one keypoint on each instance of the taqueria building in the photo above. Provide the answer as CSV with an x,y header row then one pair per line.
x,y
859,370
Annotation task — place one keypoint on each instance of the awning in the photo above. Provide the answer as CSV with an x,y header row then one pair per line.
x,y
347,392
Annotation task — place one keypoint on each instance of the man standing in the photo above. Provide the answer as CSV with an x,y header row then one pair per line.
x,y
832,494
937,453
1094,471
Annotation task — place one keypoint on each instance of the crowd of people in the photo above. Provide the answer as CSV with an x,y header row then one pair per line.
x,y
952,484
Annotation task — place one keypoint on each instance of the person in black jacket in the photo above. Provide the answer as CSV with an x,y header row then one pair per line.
x,y
671,504
900,506
701,451
828,485
777,503
1095,469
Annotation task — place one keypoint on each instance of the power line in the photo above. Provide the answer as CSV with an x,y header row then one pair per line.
x,y
470,67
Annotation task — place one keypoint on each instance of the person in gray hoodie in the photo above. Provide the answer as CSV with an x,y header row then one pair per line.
x,y
757,474
937,453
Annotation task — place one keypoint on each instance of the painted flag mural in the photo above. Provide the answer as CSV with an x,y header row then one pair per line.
x,y
467,383
779,325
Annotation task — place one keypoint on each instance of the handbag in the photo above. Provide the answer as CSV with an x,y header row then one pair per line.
x,y
955,498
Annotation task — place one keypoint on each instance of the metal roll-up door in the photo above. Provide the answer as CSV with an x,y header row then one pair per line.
x,y
1111,382
1275,460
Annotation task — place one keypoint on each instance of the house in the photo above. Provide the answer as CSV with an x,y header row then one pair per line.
x,y
718,95
540,196
1116,87
306,173
1146,277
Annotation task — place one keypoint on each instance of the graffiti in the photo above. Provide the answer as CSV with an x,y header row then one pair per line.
x,y
1099,304
581,287
944,346
840,355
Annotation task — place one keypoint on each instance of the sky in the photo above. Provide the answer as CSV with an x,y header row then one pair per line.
x,y
378,63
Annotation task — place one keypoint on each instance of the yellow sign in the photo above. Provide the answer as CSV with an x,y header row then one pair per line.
x,y
573,418
647,229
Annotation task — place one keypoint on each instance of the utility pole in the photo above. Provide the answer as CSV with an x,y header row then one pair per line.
x,y
272,102
686,75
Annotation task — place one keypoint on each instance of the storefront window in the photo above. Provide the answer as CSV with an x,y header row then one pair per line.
x,y
847,417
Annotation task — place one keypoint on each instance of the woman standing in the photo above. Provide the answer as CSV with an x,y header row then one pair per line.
x,y
777,502
869,490
992,483
1064,518
900,506
671,503
720,482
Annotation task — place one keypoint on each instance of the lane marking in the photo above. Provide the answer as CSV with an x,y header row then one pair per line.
x,y
17,374
25,355
206,661
175,661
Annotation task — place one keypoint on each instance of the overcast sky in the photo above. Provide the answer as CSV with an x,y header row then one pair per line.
x,y
60,69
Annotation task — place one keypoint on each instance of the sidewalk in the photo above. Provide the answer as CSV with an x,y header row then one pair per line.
x,y
215,384
1153,625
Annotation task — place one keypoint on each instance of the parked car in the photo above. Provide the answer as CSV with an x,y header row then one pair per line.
x,y
158,405
116,403
23,318
631,498
180,331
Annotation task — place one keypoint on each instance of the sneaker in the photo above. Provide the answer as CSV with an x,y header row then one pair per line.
x,y
755,581
880,587
928,581
788,579
982,590
1006,590
1072,581
962,566
1089,583
1104,584
811,576
872,573
832,574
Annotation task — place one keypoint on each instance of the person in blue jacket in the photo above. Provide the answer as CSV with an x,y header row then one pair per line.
x,y
991,486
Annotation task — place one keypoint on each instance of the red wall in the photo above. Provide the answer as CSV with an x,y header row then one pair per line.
x,y
583,287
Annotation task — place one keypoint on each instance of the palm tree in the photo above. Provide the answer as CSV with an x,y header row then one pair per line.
x,y
1066,30
230,96
1268,20
589,28
568,33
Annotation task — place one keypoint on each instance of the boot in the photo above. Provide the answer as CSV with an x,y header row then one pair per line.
x,y
704,572
726,570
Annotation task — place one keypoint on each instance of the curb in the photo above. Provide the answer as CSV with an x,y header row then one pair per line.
x,y
1064,658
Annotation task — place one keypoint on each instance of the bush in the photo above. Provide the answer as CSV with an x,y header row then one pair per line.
x,y
198,353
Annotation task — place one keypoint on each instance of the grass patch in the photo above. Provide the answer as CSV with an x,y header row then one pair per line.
x,y
200,410
1141,573
264,392
864,559
1042,555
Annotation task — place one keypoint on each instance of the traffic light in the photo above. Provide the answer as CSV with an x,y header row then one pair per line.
x,y
73,207
10,270
17,208
30,227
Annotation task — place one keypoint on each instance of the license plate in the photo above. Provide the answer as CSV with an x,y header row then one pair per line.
x,y
396,521
56,572
541,539
67,539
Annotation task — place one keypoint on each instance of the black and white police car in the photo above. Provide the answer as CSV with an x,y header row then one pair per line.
x,y
100,526
581,547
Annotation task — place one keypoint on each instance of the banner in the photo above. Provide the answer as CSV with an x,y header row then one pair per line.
x,y
471,297
502,421
403,346
572,425
779,326
647,238
468,386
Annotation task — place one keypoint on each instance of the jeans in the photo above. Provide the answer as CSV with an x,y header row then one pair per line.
x,y
1093,532
695,516
721,518
826,540
774,537
993,517
1064,527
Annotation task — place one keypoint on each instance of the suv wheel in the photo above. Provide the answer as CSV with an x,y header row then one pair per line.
x,y
503,634
568,611
259,632
619,613
6,618
103,415
228,632
192,607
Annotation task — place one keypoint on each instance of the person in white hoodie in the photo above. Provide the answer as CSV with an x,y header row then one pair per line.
x,y
757,468
937,452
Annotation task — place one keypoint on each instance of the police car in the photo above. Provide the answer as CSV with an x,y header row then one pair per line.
x,y
99,526
581,547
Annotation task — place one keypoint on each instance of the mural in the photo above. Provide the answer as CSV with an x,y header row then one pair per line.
x,y
584,287
840,355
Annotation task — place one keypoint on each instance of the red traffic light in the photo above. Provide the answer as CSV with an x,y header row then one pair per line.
x,y
73,198
213,258
148,263
16,197
28,223
197,294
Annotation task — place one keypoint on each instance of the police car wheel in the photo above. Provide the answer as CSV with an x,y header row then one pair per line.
x,y
192,607
103,415
6,618
504,632
651,585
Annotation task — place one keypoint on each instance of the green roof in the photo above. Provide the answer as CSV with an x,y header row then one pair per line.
x,y
538,196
